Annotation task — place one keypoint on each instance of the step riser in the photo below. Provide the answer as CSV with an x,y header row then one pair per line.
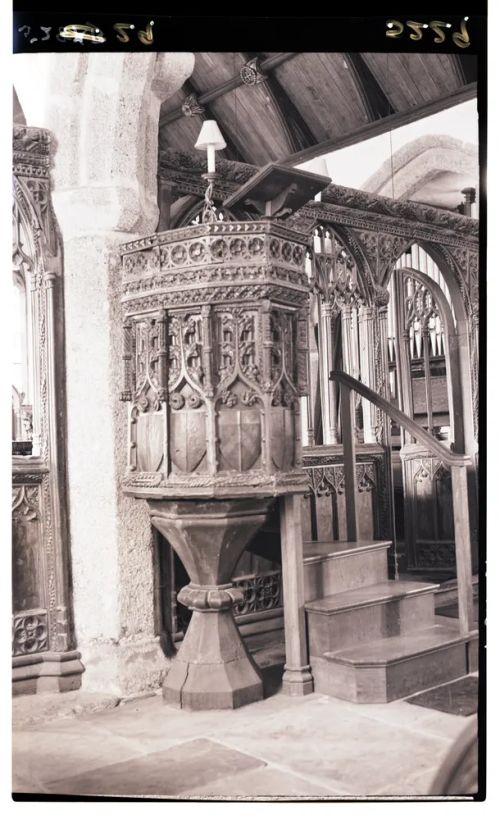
x,y
342,573
331,631
473,655
382,684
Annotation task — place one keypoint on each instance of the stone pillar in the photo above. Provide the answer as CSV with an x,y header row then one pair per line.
x,y
103,110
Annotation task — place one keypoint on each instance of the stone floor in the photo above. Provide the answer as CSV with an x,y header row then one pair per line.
x,y
296,748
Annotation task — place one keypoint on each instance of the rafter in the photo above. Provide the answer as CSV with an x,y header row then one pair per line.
x,y
234,82
296,128
381,126
375,102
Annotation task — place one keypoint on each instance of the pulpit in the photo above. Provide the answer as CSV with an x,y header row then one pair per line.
x,y
215,362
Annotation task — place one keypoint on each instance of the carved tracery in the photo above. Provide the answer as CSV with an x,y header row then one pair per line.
x,y
40,592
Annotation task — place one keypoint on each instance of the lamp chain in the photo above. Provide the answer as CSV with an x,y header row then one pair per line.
x,y
209,212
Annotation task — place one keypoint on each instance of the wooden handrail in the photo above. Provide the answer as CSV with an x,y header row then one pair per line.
x,y
397,415
456,461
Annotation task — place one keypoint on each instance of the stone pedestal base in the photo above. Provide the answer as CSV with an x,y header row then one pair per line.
x,y
46,672
213,669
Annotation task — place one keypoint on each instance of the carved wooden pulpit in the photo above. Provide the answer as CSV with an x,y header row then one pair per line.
x,y
215,360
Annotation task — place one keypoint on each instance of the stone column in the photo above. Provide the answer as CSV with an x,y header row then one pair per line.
x,y
103,110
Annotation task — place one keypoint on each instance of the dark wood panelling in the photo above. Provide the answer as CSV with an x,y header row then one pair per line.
x,y
27,575
250,116
381,126
182,134
323,89
413,79
313,99
376,103
214,68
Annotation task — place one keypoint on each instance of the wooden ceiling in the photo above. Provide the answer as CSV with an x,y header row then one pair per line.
x,y
308,103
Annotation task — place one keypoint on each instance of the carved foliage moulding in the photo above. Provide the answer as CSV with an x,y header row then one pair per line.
x,y
340,205
328,480
336,274
260,593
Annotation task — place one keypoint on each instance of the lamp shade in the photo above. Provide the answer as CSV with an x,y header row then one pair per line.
x,y
210,135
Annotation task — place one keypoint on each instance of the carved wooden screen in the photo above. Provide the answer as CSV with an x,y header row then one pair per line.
x,y
429,513
336,298
421,326
42,640
419,369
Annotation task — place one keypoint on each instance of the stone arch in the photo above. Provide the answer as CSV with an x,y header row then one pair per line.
x,y
421,161
103,112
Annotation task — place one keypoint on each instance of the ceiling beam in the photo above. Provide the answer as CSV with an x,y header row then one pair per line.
x,y
267,84
229,85
373,98
381,126
296,128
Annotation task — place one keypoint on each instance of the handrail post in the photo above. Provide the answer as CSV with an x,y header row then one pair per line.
x,y
349,463
462,547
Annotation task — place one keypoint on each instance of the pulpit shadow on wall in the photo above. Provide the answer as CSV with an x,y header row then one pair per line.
x,y
215,362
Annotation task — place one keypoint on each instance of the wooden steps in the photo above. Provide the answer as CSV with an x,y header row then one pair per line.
x,y
372,640
336,566
382,610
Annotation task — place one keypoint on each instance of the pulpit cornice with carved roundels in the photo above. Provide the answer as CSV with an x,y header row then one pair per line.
x,y
215,359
